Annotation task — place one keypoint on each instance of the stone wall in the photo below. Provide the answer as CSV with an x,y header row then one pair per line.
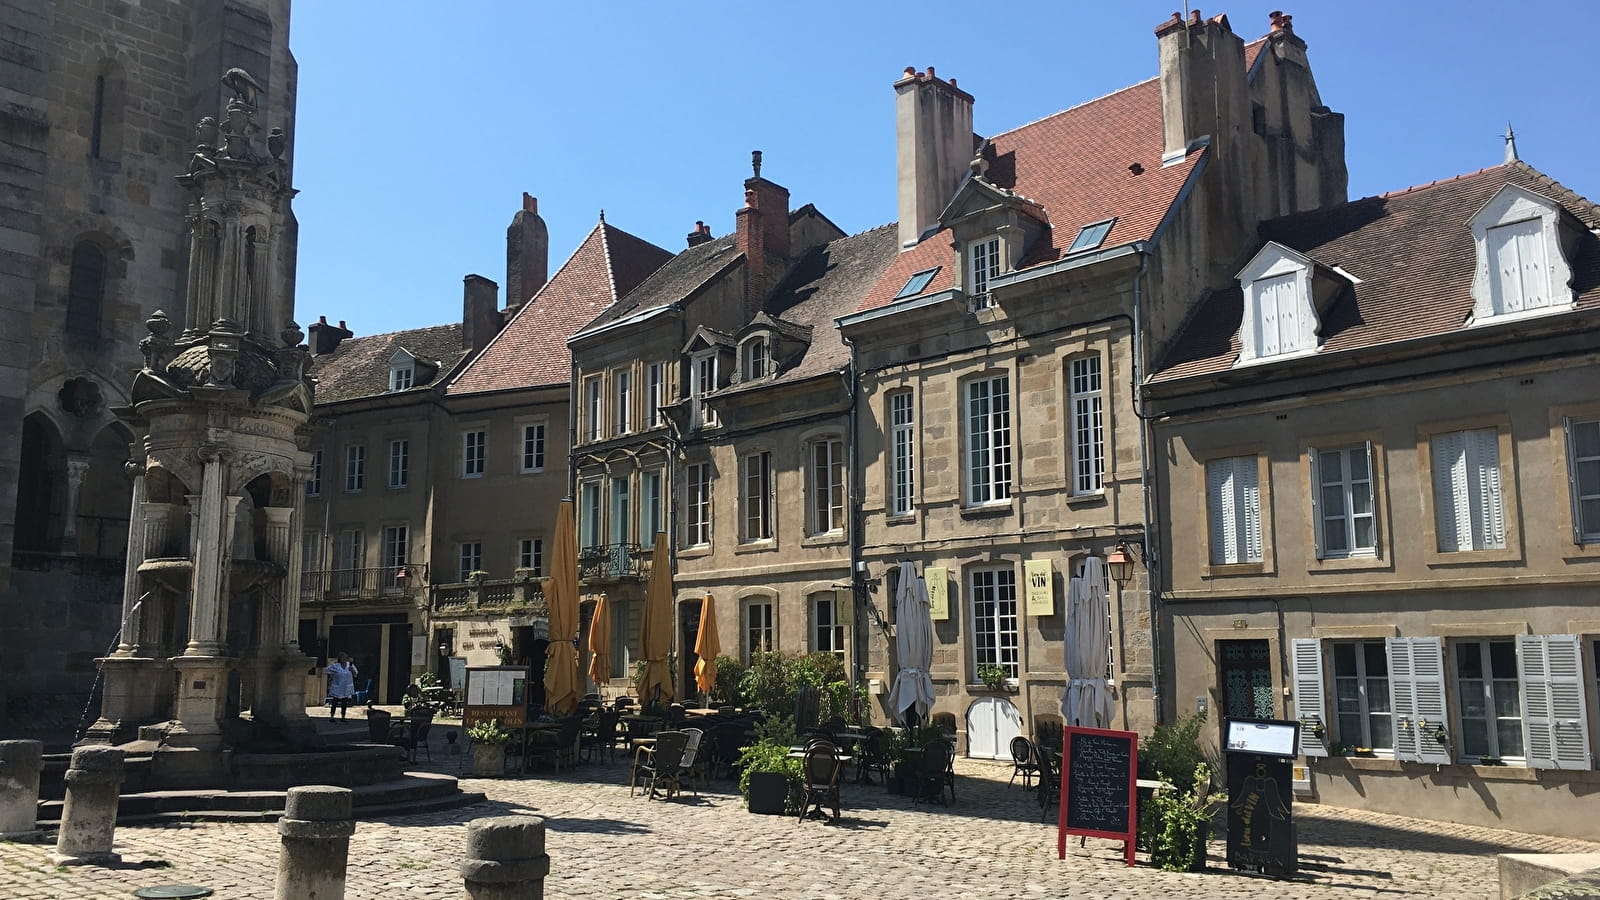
x,y
61,613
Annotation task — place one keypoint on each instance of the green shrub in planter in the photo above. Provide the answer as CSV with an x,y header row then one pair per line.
x,y
1176,825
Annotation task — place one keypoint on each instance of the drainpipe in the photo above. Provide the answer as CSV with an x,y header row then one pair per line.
x,y
858,594
1152,555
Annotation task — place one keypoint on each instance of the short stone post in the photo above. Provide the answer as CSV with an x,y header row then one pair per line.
x,y
89,817
506,858
315,830
20,762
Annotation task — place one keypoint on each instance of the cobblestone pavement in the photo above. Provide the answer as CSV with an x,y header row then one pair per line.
x,y
604,844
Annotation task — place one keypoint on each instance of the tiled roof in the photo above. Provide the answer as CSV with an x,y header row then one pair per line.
x,y
1412,251
359,367
828,282
678,278
1075,164
532,348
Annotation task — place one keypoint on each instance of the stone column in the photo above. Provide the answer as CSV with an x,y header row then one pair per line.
x,y
89,817
276,628
505,858
130,691
132,586
211,543
315,832
20,762
77,468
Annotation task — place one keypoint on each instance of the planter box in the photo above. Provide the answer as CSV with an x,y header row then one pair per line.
x,y
769,793
488,761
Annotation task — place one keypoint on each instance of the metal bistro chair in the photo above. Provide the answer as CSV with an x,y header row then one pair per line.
x,y
820,768
872,755
696,752
561,750
602,735
660,765
1049,784
415,736
1024,762
934,777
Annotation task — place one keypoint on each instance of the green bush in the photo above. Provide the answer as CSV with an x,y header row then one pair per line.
x,y
1175,825
770,753
1172,752
729,672
488,733
767,685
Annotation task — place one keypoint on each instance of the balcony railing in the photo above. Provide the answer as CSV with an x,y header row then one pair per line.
x,y
502,596
609,562
373,583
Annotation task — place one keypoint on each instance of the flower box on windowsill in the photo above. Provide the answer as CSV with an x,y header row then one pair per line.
x,y
1009,686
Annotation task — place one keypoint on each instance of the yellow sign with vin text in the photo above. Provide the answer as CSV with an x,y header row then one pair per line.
x,y
938,593
1041,596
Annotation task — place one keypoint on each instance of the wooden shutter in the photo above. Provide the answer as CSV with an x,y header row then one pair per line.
x,y
1507,283
1310,700
1316,503
1416,695
1220,508
1483,478
1533,282
1573,491
1554,716
1451,502
1247,495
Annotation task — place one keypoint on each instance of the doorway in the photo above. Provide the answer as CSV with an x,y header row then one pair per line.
x,y
1244,679
991,724
688,631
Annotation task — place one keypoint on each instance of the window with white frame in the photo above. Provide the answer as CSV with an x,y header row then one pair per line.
x,y
1361,695
1088,426
758,629
1522,268
621,517
470,556
314,480
903,454
530,555
827,486
593,398
1233,501
827,624
651,506
755,358
622,389
311,550
533,447
396,540
621,650
983,264
399,463
355,468
1467,502
351,559
994,618
589,515
655,394
402,375
1489,703
474,450
1342,500
757,496
988,415
1583,473
697,505
703,382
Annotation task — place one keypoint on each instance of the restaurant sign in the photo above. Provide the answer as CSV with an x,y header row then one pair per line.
x,y
1041,596
938,592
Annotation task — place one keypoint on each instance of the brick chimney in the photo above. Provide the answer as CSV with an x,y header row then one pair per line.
x,y
700,235
1203,88
324,338
933,147
527,253
480,312
762,235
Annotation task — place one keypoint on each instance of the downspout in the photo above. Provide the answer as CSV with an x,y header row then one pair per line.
x,y
858,587
1152,555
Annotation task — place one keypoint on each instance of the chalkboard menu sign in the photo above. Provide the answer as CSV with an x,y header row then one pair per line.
x,y
1098,786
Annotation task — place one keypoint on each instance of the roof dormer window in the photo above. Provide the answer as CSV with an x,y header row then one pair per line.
x,y
917,283
1521,269
757,358
1091,236
402,371
983,265
1279,317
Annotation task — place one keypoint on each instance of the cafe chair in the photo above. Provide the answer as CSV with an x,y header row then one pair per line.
x,y
415,735
696,753
819,771
560,750
936,774
1024,762
600,735
1049,785
660,765
363,697
872,755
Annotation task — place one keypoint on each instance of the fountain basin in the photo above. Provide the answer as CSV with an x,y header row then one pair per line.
x,y
176,572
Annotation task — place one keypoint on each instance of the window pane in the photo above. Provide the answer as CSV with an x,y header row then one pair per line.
x,y
1333,501
1358,464
1586,438
1509,734
1472,701
1344,659
1506,702
1503,659
1474,738
1378,695
1377,659
1331,466
1469,661
1382,731
1348,695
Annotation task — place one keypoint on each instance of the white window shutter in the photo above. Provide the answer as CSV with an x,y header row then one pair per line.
x,y
1221,511
1535,284
1507,283
1554,715
1483,471
1316,503
1416,695
1402,699
1450,500
1247,489
1310,701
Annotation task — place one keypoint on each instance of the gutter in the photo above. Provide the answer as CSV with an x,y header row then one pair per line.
x,y
634,319
1065,265
924,302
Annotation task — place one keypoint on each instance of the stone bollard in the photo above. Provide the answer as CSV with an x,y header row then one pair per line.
x,y
315,830
89,817
20,762
506,858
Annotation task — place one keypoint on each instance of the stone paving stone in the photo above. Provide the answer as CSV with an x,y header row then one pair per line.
x,y
603,844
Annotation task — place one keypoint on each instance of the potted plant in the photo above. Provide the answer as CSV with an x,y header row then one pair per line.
x,y
488,748
768,778
1180,823
994,677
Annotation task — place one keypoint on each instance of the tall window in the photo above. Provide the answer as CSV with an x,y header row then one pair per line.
x,y
530,555
395,541
1361,691
311,550
655,393
474,446
352,558
314,480
622,382
399,463
471,558
1233,500
989,440
755,359
589,514
697,506
827,486
621,516
903,450
97,124
651,506
621,651
704,382
983,264
402,376
1490,699
1466,490
1088,427
355,468
86,289
758,496
758,628
593,396
994,619
1346,525
533,448
826,623
1583,459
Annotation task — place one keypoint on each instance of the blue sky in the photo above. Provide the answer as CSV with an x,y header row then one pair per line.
x,y
419,129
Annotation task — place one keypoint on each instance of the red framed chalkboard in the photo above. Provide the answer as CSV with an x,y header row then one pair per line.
x,y
1099,787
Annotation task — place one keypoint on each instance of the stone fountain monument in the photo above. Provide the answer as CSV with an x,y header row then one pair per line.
x,y
209,660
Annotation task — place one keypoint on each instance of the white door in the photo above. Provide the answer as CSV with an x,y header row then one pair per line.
x,y
991,724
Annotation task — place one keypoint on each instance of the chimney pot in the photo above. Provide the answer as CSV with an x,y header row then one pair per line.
x,y
343,325
529,202
952,81
930,71
1194,17
911,72
322,319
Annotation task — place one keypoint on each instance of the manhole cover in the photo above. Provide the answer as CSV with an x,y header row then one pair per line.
x,y
173,892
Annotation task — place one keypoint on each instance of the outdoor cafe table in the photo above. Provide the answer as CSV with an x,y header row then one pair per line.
x,y
799,752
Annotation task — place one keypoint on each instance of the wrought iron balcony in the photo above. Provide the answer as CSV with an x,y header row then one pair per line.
x,y
372,583
611,562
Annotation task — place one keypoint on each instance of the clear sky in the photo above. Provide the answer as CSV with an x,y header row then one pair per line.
x,y
419,126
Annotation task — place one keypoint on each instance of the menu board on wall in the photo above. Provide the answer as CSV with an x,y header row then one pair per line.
x,y
496,692
938,592
1041,596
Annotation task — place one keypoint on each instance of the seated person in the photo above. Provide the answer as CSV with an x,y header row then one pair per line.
x,y
411,696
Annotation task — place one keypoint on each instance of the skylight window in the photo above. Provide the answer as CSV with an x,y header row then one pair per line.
x,y
1091,236
917,283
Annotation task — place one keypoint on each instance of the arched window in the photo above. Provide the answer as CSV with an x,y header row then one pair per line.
x,y
86,289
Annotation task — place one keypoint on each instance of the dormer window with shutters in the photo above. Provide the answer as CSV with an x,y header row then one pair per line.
x,y
1522,269
756,357
402,371
1280,320
702,384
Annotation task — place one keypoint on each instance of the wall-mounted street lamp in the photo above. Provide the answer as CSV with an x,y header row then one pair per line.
x,y
1121,561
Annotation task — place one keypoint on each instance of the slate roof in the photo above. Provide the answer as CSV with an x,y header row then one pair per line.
x,y
1412,251
359,367
827,282
677,279
532,348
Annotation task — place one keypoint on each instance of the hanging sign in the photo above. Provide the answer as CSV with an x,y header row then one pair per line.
x,y
938,593
1041,596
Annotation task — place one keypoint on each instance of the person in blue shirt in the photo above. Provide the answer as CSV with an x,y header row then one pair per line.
x,y
342,685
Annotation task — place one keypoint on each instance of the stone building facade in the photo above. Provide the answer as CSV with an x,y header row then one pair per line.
x,y
101,101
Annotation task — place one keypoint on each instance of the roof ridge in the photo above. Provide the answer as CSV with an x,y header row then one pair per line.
x,y
390,334
1589,206
1075,106
605,251
1432,184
